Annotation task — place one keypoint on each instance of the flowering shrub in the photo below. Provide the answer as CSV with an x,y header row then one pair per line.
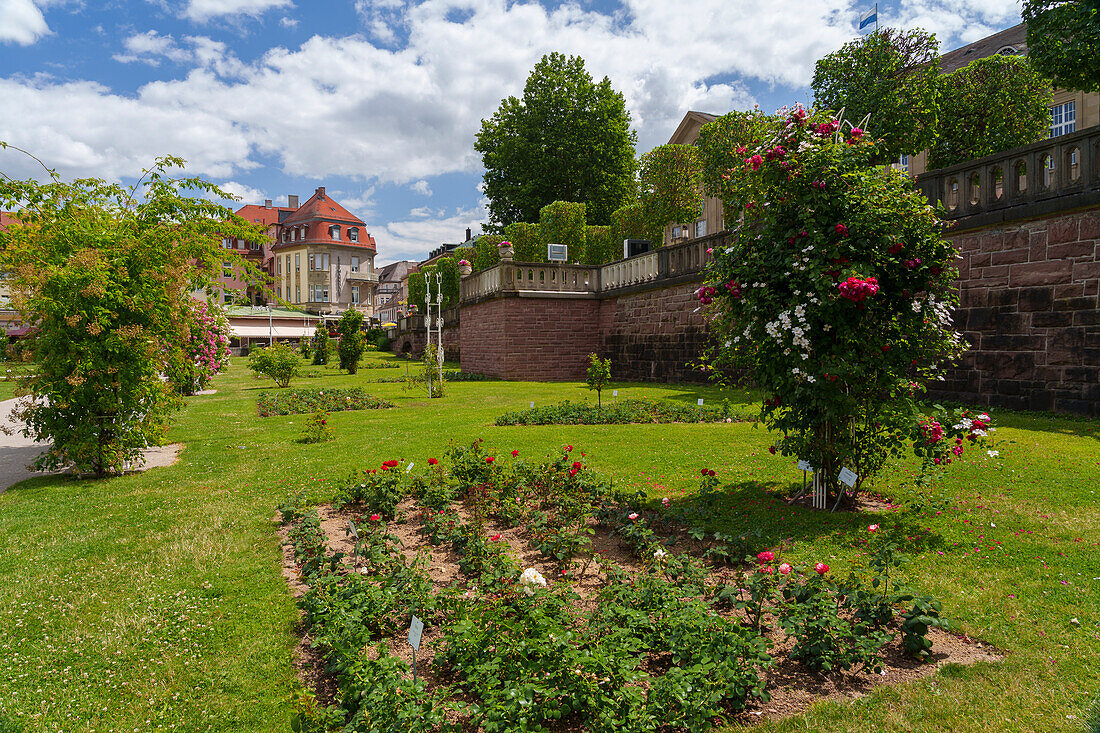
x,y
302,401
207,351
317,429
836,291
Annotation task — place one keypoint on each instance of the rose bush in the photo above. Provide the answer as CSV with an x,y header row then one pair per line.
x,y
836,291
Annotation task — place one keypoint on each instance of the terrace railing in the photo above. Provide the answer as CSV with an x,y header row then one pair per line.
x,y
1058,173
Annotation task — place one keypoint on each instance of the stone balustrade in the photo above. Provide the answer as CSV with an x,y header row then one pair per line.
x,y
1035,180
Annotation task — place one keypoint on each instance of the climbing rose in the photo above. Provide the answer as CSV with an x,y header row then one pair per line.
x,y
568,448
821,568
842,230
771,449
856,289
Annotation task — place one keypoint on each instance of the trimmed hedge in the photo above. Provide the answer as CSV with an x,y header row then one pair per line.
x,y
621,412
304,401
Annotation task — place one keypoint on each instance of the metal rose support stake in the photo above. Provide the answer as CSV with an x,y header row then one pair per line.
x,y
435,304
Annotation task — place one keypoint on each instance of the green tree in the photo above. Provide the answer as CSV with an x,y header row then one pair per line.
x,y
567,139
671,183
321,344
723,145
598,375
990,105
352,341
891,76
105,272
1063,41
278,361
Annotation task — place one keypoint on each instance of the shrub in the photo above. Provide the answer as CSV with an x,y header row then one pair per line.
x,y
629,222
322,345
302,401
352,342
562,222
528,240
620,413
486,252
598,375
600,247
207,350
317,429
277,361
377,490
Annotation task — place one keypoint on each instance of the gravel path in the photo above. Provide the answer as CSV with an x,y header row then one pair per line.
x,y
17,452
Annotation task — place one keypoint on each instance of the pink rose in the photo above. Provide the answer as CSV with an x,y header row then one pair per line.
x,y
665,501
821,568
374,517
873,528
765,556
785,569
632,516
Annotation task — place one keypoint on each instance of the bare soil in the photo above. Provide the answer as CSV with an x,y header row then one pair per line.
x,y
792,687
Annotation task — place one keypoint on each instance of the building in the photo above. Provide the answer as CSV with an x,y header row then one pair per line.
x,y
323,259
391,293
230,285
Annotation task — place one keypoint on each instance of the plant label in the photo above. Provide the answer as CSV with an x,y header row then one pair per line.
x,y
700,402
416,628
848,477
614,393
805,466
354,532
532,404
409,468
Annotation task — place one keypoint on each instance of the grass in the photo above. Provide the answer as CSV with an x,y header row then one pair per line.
x,y
155,601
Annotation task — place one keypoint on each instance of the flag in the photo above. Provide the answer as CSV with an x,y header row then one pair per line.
x,y
868,18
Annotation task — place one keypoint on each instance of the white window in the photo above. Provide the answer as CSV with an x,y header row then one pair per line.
x,y
353,234
254,246
240,244
297,261
354,262
324,295
293,235
677,232
1063,119
298,294
701,228
355,294
279,263
285,235
227,298
225,244
302,233
334,232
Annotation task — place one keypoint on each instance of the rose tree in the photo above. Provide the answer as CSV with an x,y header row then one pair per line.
x,y
836,292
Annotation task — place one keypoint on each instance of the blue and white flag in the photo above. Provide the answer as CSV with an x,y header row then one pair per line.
x,y
869,18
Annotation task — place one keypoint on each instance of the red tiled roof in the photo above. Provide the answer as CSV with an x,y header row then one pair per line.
x,y
266,215
321,208
7,219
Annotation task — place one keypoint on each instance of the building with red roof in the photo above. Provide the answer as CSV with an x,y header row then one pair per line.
x,y
324,258
319,257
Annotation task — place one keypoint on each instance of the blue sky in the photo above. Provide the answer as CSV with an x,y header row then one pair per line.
x,y
379,100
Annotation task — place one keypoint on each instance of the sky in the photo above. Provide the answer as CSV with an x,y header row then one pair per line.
x,y
379,100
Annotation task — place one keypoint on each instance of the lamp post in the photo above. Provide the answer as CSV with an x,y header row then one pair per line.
x,y
270,330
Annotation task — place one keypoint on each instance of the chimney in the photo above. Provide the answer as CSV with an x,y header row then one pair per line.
x,y
467,234
267,203
320,192
292,201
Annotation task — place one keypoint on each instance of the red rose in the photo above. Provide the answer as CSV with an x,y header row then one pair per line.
x,y
821,568
577,466
490,459
494,538
515,453
771,449
432,461
568,448
765,556
842,230
374,517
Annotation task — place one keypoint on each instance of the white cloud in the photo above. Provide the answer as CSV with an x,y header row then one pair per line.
x,y
21,22
351,106
421,187
957,22
149,47
246,194
415,237
203,10
288,22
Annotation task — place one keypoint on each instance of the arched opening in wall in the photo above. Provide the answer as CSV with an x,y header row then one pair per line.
x,y
952,194
1047,167
998,187
406,348
1073,164
1020,174
975,189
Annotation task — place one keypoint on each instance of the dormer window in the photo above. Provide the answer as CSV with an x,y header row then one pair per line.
x,y
302,236
353,235
1007,51
286,234
293,235
334,232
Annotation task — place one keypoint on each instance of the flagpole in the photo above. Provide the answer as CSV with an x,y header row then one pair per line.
x,y
876,17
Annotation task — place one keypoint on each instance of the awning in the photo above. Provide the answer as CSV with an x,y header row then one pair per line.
x,y
279,331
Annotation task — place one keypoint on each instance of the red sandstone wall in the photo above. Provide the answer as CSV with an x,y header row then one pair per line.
x,y
1029,308
653,334
529,338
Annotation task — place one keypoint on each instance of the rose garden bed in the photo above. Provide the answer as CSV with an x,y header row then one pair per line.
x,y
553,602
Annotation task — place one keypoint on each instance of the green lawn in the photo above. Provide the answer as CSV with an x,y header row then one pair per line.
x,y
156,601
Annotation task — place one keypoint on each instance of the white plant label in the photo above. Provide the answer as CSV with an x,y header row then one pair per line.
x,y
700,402
532,404
409,468
416,628
805,466
614,393
848,477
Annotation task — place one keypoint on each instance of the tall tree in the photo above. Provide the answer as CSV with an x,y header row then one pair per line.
x,y
1063,41
567,139
671,182
992,104
891,76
